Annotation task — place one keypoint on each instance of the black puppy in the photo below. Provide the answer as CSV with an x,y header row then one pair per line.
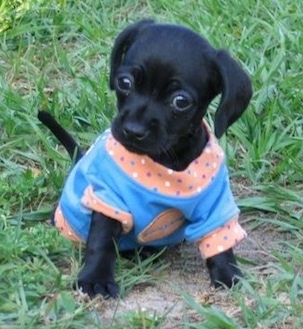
x,y
158,176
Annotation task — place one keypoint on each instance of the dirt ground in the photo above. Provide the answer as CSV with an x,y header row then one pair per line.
x,y
188,273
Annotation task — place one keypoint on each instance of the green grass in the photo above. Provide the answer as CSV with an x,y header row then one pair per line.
x,y
54,55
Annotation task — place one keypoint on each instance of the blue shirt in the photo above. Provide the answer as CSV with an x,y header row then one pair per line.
x,y
155,205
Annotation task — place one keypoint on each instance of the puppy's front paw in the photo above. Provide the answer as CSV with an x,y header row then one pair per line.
x,y
105,288
223,269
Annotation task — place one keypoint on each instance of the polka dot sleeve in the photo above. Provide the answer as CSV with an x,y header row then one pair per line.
x,y
222,239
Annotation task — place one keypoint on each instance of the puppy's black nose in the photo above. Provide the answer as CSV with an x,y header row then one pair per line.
x,y
134,131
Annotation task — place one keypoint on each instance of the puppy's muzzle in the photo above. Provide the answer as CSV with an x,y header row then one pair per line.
x,y
134,132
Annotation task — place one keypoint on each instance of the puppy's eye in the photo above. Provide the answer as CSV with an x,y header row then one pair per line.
x,y
124,83
181,101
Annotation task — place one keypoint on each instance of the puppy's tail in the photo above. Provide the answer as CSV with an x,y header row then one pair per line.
x,y
62,135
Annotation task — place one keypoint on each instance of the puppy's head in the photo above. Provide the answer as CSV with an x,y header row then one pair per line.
x,y
164,77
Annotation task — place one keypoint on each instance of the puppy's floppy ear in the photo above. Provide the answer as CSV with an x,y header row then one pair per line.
x,y
122,43
236,90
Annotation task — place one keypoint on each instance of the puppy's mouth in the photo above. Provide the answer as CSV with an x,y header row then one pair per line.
x,y
147,144
134,147
146,147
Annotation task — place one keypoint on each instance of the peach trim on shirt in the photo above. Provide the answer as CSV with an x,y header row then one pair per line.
x,y
91,201
63,226
166,223
222,239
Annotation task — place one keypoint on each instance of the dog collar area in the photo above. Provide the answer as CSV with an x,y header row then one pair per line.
x,y
152,175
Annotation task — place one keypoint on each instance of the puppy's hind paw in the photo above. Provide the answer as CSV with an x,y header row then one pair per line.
x,y
106,290
226,278
110,290
223,270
